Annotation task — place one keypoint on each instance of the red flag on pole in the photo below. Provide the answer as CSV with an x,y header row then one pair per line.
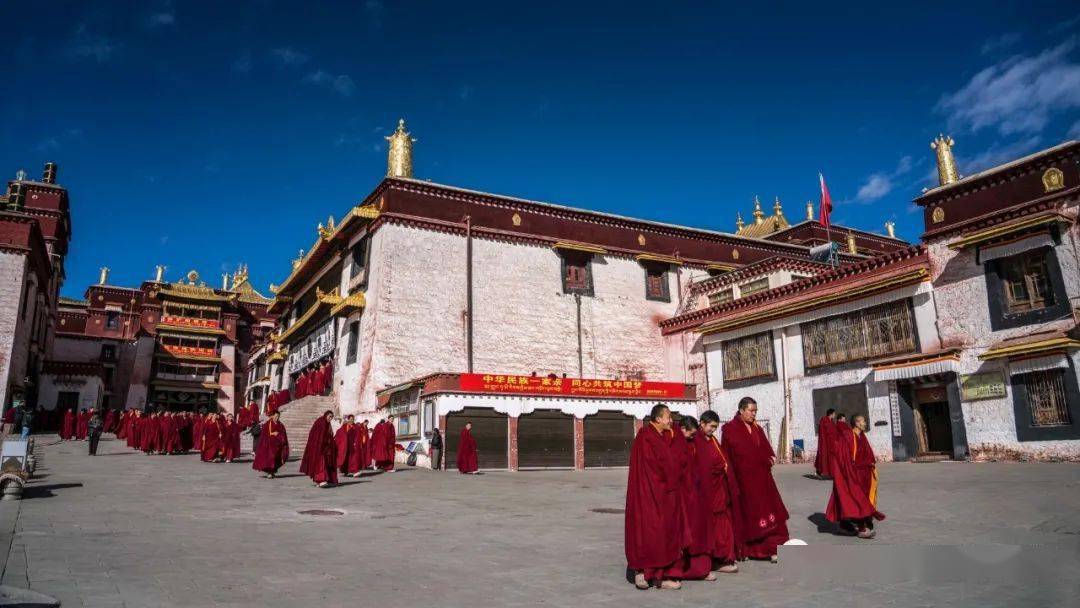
x,y
826,202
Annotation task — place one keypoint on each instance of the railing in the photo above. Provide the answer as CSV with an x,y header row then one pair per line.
x,y
186,377
194,351
190,322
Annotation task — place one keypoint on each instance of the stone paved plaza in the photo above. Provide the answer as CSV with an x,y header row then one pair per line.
x,y
126,529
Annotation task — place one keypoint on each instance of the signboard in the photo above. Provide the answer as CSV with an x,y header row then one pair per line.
x,y
987,385
571,387
894,408
13,456
316,346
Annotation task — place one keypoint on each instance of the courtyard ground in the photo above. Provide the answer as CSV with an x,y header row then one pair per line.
x,y
127,529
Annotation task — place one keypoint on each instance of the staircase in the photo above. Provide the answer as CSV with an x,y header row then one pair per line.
x,y
297,416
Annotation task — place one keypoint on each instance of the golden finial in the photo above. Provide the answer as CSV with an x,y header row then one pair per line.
x,y
273,288
159,273
809,211
399,158
890,227
224,281
759,215
738,221
946,164
325,233
192,276
103,278
778,211
851,243
297,261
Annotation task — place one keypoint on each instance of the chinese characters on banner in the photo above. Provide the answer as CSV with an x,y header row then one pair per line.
x,y
572,387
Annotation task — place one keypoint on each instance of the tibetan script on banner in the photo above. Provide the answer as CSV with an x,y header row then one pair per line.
x,y
572,387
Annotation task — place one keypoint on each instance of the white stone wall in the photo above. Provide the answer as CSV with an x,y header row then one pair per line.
x,y
91,390
14,334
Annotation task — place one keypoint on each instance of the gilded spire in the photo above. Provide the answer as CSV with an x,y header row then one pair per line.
x,y
946,164
159,273
738,221
810,211
778,211
890,227
851,243
759,215
399,158
103,278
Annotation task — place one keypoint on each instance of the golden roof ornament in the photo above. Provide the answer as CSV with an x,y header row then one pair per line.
x,y
759,215
809,211
103,278
192,277
890,227
946,164
778,211
399,158
851,243
224,281
738,221
297,261
159,273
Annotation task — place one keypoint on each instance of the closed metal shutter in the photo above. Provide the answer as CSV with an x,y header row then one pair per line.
x,y
545,440
608,436
489,429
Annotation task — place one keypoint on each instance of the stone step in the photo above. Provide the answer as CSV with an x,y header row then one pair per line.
x,y
298,415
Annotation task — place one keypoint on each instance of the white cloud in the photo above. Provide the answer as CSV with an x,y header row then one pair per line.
x,y
1019,95
88,45
995,155
879,184
1003,41
288,56
342,84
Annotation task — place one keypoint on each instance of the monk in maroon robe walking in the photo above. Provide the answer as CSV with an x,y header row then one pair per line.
x,y
655,533
386,446
67,426
212,447
853,502
345,444
231,439
763,515
826,438
466,451
273,448
696,560
716,487
82,422
363,438
320,454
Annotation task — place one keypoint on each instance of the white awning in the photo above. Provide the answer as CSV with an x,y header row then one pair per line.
x,y
915,371
1038,364
1004,250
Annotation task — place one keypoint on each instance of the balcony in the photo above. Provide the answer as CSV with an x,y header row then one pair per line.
x,y
191,324
199,378
200,352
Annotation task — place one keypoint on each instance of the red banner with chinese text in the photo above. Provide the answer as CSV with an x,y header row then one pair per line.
x,y
571,387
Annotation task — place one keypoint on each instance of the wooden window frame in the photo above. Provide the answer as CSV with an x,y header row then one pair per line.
x,y
730,346
652,268
997,293
353,344
858,327
744,293
404,405
572,258
713,299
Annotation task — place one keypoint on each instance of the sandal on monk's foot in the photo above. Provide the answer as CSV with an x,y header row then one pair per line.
x,y
710,576
866,534
728,569
640,582
774,559
670,584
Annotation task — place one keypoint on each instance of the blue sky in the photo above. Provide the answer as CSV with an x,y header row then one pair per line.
x,y
202,136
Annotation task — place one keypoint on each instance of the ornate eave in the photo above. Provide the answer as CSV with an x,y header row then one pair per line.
x,y
278,355
1035,345
1011,227
180,357
583,247
325,237
182,385
191,292
662,259
355,302
912,359
323,302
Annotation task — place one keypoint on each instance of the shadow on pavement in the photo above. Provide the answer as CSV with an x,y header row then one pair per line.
x,y
46,491
824,526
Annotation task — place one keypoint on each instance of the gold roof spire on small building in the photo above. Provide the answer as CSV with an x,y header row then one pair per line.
x,y
399,158
946,164
778,211
810,211
759,215
738,221
851,243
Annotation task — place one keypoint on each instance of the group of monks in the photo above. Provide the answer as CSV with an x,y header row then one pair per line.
x,y
845,456
349,450
314,380
216,437
75,427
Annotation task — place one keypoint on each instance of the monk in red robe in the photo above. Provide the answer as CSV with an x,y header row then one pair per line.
x,y
273,448
716,487
695,563
466,452
67,426
107,422
231,439
853,502
655,533
345,444
763,515
149,435
82,422
212,447
826,437
122,424
386,446
132,439
167,428
363,438
320,455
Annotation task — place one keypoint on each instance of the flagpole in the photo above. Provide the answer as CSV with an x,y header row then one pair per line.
x,y
828,226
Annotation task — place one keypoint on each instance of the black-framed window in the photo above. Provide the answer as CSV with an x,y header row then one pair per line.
x,y
721,297
358,257
353,343
749,358
577,272
755,286
1025,289
656,282
878,331
1046,404
108,352
112,319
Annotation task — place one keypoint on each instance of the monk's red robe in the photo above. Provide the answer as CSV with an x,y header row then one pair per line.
x,y
854,478
212,441
271,402
466,453
345,448
231,440
654,531
386,447
695,562
107,423
121,425
763,515
67,427
320,455
363,437
327,375
273,449
716,486
82,422
149,436
197,432
826,439
133,439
